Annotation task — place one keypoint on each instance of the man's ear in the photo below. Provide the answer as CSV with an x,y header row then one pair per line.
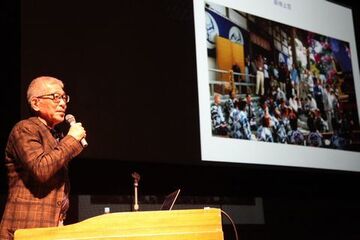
x,y
35,104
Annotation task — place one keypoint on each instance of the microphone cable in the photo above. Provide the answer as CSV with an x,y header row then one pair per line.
x,y
232,223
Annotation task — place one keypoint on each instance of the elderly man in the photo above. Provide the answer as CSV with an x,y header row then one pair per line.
x,y
36,158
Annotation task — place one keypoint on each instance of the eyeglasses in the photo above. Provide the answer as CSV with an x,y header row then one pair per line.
x,y
56,97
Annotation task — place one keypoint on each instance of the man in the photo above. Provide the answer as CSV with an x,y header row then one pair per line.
x,y
219,125
260,75
250,111
36,158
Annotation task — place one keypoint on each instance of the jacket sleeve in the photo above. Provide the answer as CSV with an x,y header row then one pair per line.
x,y
37,153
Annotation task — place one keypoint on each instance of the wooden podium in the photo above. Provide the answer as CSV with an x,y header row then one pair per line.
x,y
201,224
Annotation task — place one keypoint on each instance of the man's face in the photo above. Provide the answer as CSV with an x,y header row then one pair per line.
x,y
217,99
49,110
248,99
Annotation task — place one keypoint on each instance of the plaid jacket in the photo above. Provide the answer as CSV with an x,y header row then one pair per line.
x,y
37,176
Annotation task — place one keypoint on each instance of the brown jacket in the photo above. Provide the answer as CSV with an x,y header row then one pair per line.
x,y
37,176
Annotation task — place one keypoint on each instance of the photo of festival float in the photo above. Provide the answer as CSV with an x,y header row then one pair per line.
x,y
277,83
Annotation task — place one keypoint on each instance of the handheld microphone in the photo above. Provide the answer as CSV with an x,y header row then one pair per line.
x,y
71,120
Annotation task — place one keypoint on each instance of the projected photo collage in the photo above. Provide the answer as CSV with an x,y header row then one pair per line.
x,y
277,83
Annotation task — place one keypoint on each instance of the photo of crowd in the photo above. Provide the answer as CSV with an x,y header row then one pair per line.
x,y
277,83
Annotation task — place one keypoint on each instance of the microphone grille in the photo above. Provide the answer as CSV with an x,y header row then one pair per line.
x,y
70,118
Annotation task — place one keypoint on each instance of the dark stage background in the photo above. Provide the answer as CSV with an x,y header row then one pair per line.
x,y
138,59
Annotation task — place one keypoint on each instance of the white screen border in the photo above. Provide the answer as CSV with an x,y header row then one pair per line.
x,y
321,17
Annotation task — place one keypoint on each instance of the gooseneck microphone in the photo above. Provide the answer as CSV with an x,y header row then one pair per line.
x,y
136,177
71,120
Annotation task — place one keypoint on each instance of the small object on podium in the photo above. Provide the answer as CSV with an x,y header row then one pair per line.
x,y
106,210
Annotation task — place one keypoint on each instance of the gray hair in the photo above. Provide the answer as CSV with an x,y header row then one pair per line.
x,y
38,86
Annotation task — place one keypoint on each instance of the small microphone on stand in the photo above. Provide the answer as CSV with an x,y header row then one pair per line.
x,y
136,177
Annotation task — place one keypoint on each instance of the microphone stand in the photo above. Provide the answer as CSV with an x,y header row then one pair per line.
x,y
136,177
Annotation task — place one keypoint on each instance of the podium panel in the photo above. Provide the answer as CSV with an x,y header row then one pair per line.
x,y
200,224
